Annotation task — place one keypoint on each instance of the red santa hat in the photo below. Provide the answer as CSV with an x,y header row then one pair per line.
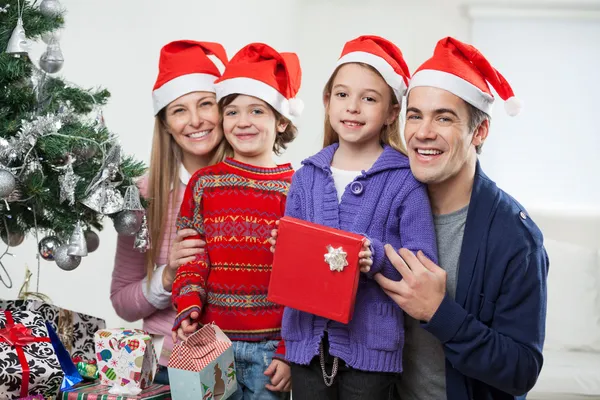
x,y
382,55
184,67
260,71
463,71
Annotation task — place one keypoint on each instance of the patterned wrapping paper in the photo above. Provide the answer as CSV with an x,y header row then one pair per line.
x,y
96,391
75,330
127,357
36,359
203,367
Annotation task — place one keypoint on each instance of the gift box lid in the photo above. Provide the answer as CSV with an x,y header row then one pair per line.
x,y
199,349
315,269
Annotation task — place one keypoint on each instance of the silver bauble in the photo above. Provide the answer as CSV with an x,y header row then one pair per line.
x,y
8,183
52,60
17,44
92,240
128,222
47,247
65,261
50,8
14,238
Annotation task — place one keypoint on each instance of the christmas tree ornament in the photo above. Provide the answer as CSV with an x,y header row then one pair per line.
x,y
127,222
50,8
99,123
68,182
17,44
52,60
92,241
48,37
64,260
142,237
4,9
47,247
14,238
132,199
102,195
8,183
77,242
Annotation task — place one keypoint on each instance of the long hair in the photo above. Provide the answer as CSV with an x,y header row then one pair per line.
x,y
163,185
390,134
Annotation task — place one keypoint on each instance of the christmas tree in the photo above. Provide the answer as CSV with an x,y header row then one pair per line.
x,y
61,170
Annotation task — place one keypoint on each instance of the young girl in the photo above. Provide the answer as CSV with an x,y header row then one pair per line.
x,y
360,182
187,137
233,206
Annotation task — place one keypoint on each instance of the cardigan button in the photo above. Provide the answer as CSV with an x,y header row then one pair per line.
x,y
523,215
356,188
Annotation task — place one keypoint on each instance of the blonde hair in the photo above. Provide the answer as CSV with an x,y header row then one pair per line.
x,y
163,187
390,134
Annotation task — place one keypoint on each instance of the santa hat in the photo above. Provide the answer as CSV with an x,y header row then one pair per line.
x,y
185,67
260,71
463,71
382,55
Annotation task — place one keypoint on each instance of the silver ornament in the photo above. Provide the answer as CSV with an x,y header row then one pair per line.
x,y
77,243
8,183
92,241
52,60
127,222
17,44
132,199
50,8
104,199
47,247
142,237
14,238
68,183
64,260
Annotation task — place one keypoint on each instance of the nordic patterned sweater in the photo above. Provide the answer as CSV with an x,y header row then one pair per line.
x,y
233,206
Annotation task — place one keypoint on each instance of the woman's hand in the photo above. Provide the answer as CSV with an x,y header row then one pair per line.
x,y
182,251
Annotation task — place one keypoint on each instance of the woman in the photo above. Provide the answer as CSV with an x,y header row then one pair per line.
x,y
187,137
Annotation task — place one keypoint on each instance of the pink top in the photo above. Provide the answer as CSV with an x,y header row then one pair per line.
x,y
131,297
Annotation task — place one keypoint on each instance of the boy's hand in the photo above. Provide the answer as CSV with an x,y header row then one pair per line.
x,y
365,257
281,376
273,238
187,327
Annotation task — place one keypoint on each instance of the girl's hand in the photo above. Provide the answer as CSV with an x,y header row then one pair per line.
x,y
182,252
365,257
187,327
273,238
281,376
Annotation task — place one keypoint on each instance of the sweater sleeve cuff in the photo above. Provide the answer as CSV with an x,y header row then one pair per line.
x,y
185,314
155,293
280,352
447,320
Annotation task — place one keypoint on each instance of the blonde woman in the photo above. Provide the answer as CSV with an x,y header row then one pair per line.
x,y
187,137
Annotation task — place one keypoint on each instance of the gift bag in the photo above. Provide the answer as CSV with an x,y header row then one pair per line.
x,y
202,366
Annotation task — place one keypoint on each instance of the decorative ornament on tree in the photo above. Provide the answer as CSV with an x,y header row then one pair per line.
x,y
132,199
77,242
17,43
47,247
142,237
102,195
14,238
50,8
68,182
52,60
99,123
48,37
128,222
64,260
92,241
8,183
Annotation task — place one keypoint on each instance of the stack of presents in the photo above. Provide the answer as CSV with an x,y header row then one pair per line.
x,y
50,353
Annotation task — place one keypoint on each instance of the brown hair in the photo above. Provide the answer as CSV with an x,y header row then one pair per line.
x,y
163,184
390,134
476,118
281,139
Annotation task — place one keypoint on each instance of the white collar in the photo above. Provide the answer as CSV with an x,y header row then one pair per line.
x,y
184,175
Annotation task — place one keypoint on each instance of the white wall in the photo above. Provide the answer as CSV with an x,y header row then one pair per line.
x,y
115,44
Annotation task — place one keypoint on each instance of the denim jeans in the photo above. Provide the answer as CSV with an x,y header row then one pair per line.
x,y
251,361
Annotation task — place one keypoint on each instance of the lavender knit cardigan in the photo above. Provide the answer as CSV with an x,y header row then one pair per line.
x,y
387,205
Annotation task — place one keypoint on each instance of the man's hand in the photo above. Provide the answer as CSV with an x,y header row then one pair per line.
x,y
281,376
423,284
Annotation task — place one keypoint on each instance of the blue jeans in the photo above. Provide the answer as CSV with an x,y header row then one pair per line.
x,y
251,361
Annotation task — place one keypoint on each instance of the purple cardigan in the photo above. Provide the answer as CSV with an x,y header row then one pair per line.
x,y
387,205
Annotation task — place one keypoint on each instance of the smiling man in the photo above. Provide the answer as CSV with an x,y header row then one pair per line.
x,y
478,319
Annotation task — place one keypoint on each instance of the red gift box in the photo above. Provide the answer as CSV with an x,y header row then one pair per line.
x,y
309,272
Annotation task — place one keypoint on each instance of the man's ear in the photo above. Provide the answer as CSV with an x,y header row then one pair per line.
x,y
481,133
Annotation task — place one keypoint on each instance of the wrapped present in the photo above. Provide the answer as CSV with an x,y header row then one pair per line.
x,y
315,269
127,357
28,361
75,330
97,391
202,366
